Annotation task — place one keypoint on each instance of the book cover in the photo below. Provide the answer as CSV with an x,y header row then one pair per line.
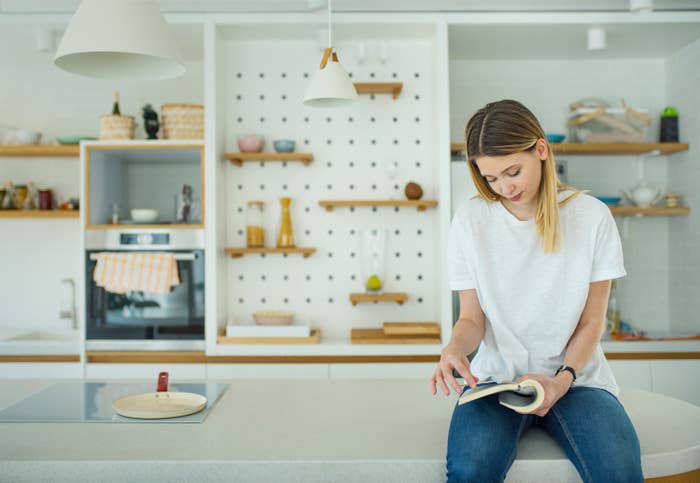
x,y
522,397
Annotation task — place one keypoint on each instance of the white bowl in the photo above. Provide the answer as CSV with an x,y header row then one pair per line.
x,y
143,215
24,136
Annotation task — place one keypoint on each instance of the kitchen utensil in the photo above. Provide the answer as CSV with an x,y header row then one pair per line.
x,y
20,194
610,200
643,195
160,404
555,138
285,237
251,143
273,317
144,215
74,139
284,145
255,232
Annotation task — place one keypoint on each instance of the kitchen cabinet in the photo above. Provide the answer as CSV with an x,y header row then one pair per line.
x,y
146,372
677,378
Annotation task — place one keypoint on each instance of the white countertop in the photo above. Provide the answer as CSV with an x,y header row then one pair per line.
x,y
314,431
21,341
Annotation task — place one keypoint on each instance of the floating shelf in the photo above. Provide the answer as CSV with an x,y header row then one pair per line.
x,y
393,88
40,150
239,252
398,297
239,158
377,336
652,211
39,213
314,338
121,226
593,149
421,205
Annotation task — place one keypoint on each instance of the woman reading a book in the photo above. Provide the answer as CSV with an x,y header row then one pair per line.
x,y
532,260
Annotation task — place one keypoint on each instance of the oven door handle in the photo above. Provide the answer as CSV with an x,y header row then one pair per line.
x,y
178,256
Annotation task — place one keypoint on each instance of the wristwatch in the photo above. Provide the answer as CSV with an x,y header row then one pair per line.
x,y
567,368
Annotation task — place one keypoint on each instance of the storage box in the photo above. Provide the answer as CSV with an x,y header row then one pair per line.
x,y
116,127
182,121
608,125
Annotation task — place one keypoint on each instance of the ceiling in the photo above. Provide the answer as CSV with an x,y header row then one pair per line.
x,y
69,6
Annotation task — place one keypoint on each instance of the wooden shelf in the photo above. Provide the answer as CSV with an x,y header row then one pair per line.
x,y
421,205
121,226
653,211
393,88
314,338
40,150
377,336
398,297
39,213
602,149
239,158
239,252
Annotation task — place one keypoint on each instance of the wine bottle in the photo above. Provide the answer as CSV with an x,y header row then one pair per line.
x,y
115,107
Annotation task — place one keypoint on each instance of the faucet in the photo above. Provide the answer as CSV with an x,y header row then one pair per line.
x,y
71,312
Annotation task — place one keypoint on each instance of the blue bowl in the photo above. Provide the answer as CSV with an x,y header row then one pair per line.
x,y
610,200
284,145
555,138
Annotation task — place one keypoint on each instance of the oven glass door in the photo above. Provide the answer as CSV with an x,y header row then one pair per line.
x,y
176,315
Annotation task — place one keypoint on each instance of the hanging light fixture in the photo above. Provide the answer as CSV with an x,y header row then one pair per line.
x,y
119,39
330,86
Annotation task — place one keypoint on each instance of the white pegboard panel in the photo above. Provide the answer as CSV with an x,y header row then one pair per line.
x,y
369,150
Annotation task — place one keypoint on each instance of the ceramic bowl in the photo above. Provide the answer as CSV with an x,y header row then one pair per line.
x,y
24,136
284,145
610,200
555,138
273,317
251,143
144,215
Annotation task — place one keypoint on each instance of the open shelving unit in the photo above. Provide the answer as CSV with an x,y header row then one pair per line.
x,y
393,88
237,159
398,297
604,149
651,211
420,205
40,150
239,252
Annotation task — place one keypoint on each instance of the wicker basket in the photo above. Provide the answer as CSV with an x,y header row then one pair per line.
x,y
182,121
116,127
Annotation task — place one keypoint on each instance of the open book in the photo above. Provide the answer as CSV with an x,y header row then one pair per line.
x,y
522,397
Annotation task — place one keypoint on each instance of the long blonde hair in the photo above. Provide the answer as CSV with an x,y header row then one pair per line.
x,y
507,127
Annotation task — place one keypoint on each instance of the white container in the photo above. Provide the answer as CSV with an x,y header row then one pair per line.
x,y
143,215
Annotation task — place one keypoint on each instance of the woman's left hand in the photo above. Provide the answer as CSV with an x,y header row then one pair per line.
x,y
554,389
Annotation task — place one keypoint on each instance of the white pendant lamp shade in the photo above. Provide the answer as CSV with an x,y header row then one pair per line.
x,y
119,39
330,86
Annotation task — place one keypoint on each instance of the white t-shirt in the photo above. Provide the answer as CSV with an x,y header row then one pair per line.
x,y
533,301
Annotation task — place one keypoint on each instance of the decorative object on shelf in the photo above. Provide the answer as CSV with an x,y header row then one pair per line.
x,y
3,191
285,237
643,194
669,125
555,138
330,86
150,121
255,232
372,246
114,219
284,145
672,200
610,200
24,137
413,191
273,317
592,121
115,125
73,140
250,143
31,201
144,215
9,198
182,121
184,207
19,195
113,39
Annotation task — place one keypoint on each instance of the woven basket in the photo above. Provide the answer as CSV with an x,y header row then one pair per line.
x,y
182,121
116,127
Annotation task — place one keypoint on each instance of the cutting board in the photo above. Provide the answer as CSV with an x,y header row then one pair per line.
x,y
313,338
160,404
377,336
412,328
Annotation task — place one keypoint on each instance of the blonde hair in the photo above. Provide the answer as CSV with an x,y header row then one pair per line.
x,y
507,127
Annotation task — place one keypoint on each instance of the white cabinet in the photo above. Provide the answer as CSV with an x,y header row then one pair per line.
x,y
676,378
632,374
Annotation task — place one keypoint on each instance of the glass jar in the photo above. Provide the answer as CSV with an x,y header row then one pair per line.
x,y
255,233
45,199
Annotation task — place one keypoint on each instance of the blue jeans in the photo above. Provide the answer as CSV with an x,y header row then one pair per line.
x,y
590,425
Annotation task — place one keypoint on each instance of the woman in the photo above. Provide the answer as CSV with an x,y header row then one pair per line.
x,y
532,260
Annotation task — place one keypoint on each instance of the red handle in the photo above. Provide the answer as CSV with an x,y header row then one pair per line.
x,y
162,382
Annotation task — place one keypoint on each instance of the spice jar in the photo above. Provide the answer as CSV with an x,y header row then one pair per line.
x,y
255,233
20,195
672,200
45,199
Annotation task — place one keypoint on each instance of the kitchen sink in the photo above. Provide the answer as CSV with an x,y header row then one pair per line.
x,y
42,335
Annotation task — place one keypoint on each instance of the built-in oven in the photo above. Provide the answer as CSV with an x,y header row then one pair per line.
x,y
137,320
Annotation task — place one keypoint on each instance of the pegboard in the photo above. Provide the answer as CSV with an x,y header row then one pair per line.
x,y
369,150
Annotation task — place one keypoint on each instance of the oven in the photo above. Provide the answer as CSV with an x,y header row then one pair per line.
x,y
138,320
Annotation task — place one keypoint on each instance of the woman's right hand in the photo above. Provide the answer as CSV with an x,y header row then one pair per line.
x,y
452,358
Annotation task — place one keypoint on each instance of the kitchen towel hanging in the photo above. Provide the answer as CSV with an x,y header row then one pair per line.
x,y
147,272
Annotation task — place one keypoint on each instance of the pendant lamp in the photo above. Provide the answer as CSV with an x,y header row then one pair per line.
x,y
330,86
119,39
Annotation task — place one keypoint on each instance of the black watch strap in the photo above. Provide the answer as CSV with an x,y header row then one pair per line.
x,y
567,368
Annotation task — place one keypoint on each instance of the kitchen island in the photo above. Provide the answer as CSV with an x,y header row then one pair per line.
x,y
330,431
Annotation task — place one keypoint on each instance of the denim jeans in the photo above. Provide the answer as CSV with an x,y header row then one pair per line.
x,y
590,425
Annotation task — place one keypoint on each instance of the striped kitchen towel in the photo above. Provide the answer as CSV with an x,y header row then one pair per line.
x,y
146,272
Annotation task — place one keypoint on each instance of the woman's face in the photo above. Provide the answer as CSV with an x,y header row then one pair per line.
x,y
515,177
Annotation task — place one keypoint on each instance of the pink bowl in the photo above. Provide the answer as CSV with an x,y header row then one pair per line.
x,y
251,143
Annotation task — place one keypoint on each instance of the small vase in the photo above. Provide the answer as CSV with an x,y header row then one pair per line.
x,y
285,238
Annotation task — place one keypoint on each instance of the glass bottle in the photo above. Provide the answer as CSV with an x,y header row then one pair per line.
x,y
115,214
285,238
115,106
613,314
255,233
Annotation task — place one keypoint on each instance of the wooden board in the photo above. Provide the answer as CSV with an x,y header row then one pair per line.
x,y
239,158
159,405
377,336
411,328
237,252
398,297
420,205
603,149
314,338
40,150
39,213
